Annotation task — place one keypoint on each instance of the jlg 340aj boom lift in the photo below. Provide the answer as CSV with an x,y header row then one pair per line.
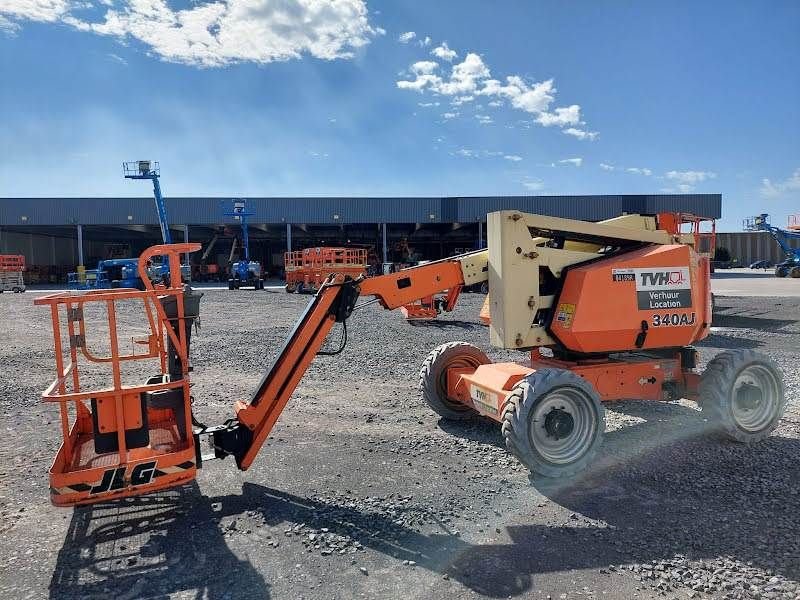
x,y
602,311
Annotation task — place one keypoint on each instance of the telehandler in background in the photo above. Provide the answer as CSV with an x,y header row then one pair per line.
x,y
601,312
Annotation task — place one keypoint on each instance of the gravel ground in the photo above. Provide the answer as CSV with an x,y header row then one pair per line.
x,y
362,493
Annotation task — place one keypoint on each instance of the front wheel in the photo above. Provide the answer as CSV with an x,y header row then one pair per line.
x,y
554,423
794,273
781,271
433,377
743,394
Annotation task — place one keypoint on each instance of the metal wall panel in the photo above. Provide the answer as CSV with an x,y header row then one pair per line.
x,y
749,246
202,211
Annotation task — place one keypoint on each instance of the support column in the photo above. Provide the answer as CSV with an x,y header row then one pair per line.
x,y
80,247
288,237
186,241
385,246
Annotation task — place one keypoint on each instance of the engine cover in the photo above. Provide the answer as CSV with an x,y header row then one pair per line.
x,y
658,296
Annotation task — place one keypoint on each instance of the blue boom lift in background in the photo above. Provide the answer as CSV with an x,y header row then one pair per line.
x,y
123,272
244,272
791,265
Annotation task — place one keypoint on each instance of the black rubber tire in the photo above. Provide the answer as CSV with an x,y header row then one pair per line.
x,y
781,271
717,394
301,288
794,273
230,284
485,287
433,377
289,289
520,410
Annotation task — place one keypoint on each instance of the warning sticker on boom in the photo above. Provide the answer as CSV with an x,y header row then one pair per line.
x,y
663,287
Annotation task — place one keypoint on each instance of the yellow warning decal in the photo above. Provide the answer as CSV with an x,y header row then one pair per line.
x,y
564,315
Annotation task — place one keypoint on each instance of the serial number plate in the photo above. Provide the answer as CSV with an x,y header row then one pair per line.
x,y
674,320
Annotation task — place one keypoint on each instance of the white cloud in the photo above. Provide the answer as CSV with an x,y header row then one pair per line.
x,y
424,67
534,98
575,162
639,171
468,153
607,167
690,177
406,37
568,115
534,185
8,27
780,188
450,115
681,188
425,42
42,11
117,58
443,52
219,33
472,77
459,100
484,119
581,134
427,104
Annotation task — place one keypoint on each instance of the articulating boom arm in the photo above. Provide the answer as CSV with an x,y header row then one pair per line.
x,y
243,436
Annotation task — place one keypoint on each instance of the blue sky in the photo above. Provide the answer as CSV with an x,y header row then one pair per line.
x,y
305,97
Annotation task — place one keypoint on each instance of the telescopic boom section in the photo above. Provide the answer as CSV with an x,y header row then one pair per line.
x,y
243,436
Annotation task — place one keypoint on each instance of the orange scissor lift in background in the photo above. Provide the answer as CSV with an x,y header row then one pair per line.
x,y
307,270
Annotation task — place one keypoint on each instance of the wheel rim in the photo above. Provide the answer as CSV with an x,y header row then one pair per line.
x,y
756,397
563,425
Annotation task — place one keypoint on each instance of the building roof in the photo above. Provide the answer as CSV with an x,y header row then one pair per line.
x,y
330,210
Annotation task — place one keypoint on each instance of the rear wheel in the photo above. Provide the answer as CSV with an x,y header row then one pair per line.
x,y
781,271
554,423
743,394
289,289
795,272
433,377
230,284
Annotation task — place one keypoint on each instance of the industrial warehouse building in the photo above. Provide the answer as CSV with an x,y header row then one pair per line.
x,y
53,233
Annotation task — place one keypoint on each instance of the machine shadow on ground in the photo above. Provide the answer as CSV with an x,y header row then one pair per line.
x,y
152,546
730,316
173,542
444,324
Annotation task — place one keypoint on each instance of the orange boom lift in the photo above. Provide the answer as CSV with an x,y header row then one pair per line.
x,y
599,312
